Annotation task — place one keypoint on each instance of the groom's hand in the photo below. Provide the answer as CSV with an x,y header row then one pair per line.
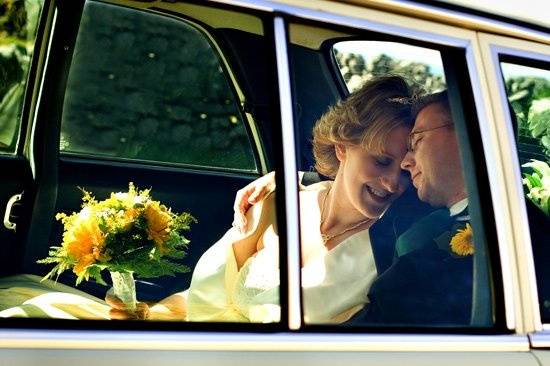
x,y
119,312
248,196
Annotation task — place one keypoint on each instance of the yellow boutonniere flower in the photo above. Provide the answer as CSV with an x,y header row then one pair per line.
x,y
462,243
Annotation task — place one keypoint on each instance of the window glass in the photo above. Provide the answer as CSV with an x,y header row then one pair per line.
x,y
391,235
138,87
528,91
153,88
18,24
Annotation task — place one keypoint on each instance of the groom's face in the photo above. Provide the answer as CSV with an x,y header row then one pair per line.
x,y
434,160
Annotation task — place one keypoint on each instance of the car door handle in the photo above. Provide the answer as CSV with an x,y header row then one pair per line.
x,y
7,215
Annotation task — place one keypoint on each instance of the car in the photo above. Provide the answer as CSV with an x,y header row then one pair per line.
x,y
196,99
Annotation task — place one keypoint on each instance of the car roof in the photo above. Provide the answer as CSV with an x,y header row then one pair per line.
x,y
535,14
449,12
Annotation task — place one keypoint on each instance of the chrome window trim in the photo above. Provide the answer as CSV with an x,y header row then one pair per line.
x,y
290,173
197,341
498,197
154,165
51,31
541,339
509,51
114,160
501,222
350,21
48,8
521,216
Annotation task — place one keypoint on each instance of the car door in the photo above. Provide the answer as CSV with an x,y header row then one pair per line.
x,y
21,56
166,103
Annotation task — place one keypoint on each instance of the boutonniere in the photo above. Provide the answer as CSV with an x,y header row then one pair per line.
x,y
462,243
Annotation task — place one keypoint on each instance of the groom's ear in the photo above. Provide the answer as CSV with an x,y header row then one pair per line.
x,y
340,150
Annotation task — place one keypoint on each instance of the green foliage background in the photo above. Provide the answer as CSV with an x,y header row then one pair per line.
x,y
356,70
18,22
151,88
530,100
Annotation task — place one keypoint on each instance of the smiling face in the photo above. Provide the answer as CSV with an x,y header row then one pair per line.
x,y
369,182
434,162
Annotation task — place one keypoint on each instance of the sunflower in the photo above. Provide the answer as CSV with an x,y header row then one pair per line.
x,y
462,243
84,243
158,223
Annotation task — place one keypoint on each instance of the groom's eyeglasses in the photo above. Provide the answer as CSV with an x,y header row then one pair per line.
x,y
412,140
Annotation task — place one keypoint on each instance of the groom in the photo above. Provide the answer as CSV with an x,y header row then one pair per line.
x,y
429,282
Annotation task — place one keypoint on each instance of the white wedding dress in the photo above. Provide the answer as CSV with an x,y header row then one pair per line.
x,y
335,284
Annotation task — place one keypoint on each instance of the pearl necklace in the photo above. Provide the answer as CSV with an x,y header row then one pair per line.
x,y
327,237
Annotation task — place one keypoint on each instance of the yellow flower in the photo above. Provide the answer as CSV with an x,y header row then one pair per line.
x,y
462,243
84,242
158,223
127,218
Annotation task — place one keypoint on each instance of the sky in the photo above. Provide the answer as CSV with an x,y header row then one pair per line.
x,y
511,70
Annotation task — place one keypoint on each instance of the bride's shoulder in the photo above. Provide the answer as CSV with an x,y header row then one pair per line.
x,y
316,187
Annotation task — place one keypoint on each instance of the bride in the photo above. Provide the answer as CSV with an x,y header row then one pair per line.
x,y
359,143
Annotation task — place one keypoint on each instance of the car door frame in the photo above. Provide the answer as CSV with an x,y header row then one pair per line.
x,y
493,47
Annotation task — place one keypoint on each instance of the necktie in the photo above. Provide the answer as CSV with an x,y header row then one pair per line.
x,y
423,232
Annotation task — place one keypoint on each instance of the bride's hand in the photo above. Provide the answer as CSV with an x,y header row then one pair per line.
x,y
119,312
248,196
174,307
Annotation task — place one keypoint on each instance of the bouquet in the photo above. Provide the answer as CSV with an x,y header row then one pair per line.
x,y
538,184
128,233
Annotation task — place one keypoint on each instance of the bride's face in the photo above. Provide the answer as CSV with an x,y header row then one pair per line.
x,y
372,181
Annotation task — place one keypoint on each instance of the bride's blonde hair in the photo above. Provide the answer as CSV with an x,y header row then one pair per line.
x,y
365,118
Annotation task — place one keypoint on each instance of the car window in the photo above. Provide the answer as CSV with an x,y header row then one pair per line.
x,y
18,24
528,91
392,234
150,97
144,87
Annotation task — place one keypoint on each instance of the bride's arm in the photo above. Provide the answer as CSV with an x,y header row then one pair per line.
x,y
260,217
173,307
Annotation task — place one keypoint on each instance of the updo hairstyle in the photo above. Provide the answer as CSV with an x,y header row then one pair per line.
x,y
365,119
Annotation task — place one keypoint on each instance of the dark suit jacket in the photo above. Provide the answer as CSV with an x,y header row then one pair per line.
x,y
428,285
